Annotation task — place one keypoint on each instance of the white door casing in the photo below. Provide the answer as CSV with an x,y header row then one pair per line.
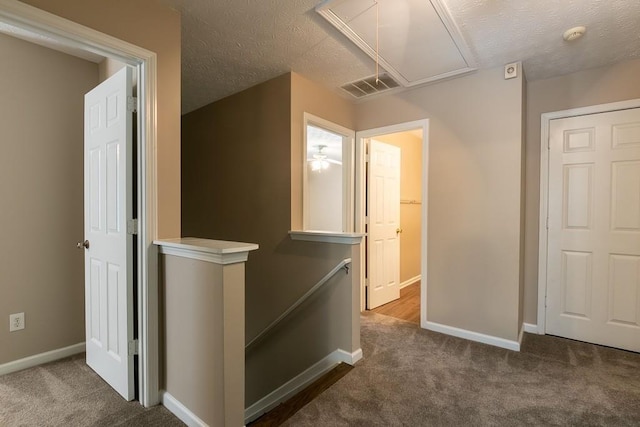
x,y
384,223
108,257
361,202
593,240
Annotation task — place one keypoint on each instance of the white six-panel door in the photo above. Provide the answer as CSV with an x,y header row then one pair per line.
x,y
108,206
593,273
384,224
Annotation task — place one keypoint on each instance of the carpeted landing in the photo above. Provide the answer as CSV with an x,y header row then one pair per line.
x,y
408,377
69,393
414,377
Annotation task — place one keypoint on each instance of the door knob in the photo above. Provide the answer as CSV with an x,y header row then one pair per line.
x,y
84,244
398,230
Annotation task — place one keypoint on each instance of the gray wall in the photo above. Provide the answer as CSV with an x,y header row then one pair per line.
x,y
618,82
474,213
41,186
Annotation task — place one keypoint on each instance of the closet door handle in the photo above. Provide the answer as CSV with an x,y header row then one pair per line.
x,y
84,244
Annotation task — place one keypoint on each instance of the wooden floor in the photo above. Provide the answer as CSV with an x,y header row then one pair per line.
x,y
406,308
284,411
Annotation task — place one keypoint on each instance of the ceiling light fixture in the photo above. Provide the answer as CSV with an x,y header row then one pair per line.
x,y
574,33
319,161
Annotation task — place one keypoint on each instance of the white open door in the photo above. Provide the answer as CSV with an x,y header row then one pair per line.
x,y
384,224
108,246
593,273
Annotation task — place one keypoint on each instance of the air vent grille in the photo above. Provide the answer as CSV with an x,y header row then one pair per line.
x,y
368,86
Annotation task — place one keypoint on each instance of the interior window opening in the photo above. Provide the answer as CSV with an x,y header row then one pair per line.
x,y
328,180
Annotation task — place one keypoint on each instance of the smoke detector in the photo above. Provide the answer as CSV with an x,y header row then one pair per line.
x,y
574,33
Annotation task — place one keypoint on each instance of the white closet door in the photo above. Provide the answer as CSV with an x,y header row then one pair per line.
x,y
593,277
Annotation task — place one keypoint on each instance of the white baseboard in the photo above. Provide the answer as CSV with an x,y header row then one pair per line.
x,y
520,336
410,281
474,336
42,358
346,357
179,410
293,386
530,328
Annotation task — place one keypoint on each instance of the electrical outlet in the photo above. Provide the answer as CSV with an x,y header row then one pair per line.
x,y
16,322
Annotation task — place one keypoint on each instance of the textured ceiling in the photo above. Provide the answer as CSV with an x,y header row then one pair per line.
x,y
230,45
502,31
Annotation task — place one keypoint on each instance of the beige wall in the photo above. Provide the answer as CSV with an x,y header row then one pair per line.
x,y
236,185
309,97
474,195
108,67
410,189
204,338
618,82
323,324
148,24
41,182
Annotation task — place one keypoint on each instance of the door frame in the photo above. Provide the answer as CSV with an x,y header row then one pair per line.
x,y
78,36
360,202
545,123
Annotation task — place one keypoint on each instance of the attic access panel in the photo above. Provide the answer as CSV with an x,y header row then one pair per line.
x,y
418,40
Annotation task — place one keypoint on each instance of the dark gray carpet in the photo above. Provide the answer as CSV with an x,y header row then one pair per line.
x,y
413,377
69,393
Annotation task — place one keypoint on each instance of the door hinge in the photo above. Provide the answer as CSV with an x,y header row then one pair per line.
x,y
133,347
547,223
132,226
132,104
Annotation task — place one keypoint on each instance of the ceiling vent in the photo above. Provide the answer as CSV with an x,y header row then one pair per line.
x,y
368,86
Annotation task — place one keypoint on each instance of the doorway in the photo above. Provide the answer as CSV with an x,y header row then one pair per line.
x,y
402,277
589,287
74,36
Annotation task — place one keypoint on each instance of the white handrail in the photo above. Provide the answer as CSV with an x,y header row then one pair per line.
x,y
343,264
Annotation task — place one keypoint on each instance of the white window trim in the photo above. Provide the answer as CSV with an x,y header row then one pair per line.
x,y
348,171
327,237
78,36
